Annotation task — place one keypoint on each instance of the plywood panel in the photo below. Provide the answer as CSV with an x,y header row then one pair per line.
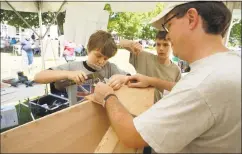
x,y
136,101
79,128
121,148
108,143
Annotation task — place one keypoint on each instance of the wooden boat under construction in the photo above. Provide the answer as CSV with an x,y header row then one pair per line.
x,y
82,128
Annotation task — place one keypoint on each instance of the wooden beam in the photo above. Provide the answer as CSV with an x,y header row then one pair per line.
x,y
108,143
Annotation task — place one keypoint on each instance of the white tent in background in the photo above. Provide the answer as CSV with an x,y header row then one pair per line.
x,y
87,13
83,20
35,6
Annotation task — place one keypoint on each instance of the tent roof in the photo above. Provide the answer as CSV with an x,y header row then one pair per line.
x,y
32,6
124,6
53,6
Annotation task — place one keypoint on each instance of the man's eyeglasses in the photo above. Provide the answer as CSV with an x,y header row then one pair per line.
x,y
163,25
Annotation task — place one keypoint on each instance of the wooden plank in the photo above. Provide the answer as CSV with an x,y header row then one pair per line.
x,y
140,150
136,101
79,128
108,142
121,148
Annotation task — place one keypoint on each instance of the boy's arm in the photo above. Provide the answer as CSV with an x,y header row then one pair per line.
x,y
142,81
161,85
131,46
48,76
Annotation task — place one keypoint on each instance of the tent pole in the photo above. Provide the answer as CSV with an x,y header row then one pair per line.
x,y
40,34
53,20
41,40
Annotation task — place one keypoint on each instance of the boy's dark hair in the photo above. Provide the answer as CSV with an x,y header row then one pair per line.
x,y
216,16
161,35
104,42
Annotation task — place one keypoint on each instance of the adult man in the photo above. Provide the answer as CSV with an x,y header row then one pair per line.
x,y
202,113
160,71
27,53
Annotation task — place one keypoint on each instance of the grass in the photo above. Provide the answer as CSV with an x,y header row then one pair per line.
x,y
24,115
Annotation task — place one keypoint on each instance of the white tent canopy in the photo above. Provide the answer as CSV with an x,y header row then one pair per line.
x,y
78,28
31,6
53,6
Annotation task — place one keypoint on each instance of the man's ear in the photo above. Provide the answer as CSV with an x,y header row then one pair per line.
x,y
193,18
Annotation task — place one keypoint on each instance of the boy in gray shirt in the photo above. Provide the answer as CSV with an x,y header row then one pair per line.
x,y
159,69
101,47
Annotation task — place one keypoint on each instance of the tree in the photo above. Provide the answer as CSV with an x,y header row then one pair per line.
x,y
235,35
11,18
131,25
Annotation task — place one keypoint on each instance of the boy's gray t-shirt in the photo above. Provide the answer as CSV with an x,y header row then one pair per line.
x,y
147,64
77,93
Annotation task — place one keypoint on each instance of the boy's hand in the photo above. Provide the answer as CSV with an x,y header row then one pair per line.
x,y
141,81
135,47
78,77
116,81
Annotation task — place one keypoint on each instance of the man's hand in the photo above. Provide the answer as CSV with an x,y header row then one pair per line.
x,y
100,92
134,47
138,81
117,80
78,77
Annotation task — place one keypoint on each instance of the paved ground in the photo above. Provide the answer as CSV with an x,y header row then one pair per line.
x,y
10,65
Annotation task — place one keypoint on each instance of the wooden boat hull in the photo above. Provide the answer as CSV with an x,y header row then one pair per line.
x,y
82,128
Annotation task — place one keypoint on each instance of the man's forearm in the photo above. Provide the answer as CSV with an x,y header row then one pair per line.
x,y
161,84
122,122
48,76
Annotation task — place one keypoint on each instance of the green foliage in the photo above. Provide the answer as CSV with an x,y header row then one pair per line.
x,y
131,25
11,18
235,35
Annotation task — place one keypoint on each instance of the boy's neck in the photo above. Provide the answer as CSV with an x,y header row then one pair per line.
x,y
164,61
93,66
